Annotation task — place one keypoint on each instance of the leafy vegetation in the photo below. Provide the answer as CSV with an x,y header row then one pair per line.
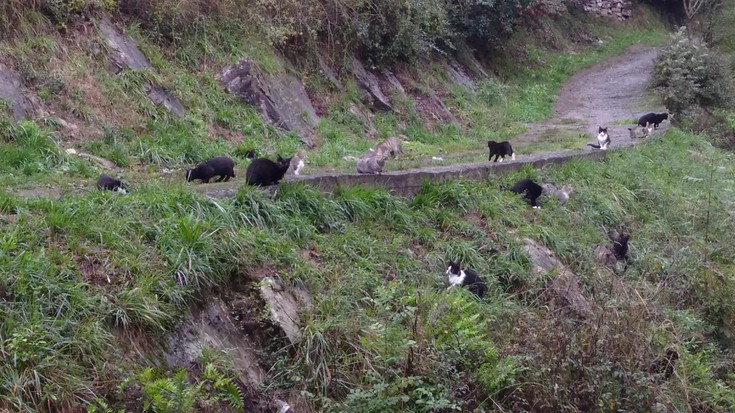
x,y
689,76
383,334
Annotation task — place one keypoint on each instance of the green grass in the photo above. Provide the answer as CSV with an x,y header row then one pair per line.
x,y
73,271
555,139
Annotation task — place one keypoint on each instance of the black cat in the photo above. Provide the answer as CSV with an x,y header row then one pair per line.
x,y
221,166
530,191
465,277
654,118
264,172
500,150
106,182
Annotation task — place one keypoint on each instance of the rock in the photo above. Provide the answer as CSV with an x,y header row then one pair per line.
x,y
107,164
565,286
11,91
125,54
161,97
370,88
326,71
213,327
281,99
458,74
367,120
605,257
71,128
284,305
393,81
619,9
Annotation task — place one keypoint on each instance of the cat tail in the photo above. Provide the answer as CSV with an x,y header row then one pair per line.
x,y
593,145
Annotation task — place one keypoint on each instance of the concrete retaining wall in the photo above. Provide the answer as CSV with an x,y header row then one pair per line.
x,y
408,182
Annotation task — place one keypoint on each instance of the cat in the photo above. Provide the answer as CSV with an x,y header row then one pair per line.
x,y
641,131
530,191
106,182
500,150
562,194
372,162
297,163
392,146
603,139
465,277
221,166
264,172
654,118
620,245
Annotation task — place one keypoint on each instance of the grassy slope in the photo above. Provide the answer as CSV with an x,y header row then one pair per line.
x,y
375,269
118,122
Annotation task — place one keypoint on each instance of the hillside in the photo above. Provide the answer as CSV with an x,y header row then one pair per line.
x,y
295,300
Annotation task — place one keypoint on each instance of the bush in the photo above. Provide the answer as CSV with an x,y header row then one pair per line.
x,y
688,75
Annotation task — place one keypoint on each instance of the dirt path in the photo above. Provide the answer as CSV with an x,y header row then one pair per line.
x,y
610,93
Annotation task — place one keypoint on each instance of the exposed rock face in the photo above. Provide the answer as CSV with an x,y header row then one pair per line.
x,y
619,9
459,75
281,98
565,286
370,87
284,305
214,327
12,92
125,54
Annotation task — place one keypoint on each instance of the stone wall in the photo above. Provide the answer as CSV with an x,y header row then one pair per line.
x,y
619,9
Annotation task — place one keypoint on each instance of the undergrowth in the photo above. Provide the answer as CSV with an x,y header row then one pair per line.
x,y
82,274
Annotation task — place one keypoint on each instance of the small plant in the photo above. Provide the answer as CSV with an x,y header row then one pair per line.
x,y
179,393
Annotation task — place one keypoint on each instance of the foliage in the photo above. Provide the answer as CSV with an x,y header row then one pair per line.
x,y
176,392
689,75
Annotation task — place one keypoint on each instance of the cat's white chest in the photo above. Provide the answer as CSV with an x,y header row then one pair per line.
x,y
299,167
457,279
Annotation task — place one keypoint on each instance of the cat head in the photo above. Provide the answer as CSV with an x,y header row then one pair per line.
x,y
283,162
600,130
453,268
568,189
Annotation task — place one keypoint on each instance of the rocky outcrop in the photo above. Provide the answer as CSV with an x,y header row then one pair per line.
x,y
367,82
125,54
281,99
619,9
284,305
564,288
459,75
11,91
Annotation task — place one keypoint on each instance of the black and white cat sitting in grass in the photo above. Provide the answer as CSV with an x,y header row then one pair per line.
x,y
465,277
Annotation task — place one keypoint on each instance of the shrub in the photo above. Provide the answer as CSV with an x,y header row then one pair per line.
x,y
688,75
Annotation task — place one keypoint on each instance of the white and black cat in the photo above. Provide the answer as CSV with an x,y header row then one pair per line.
x,y
603,139
530,191
500,150
465,277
